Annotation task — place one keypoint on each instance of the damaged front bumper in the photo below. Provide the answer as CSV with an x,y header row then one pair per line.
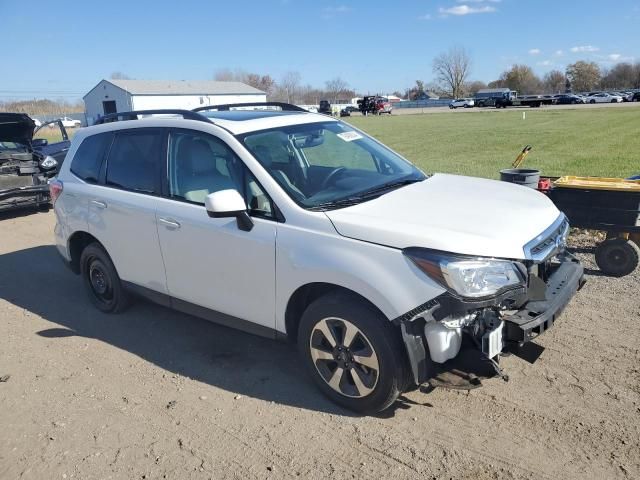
x,y
29,195
490,326
536,317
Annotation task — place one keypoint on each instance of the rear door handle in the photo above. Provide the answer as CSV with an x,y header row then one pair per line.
x,y
99,204
169,222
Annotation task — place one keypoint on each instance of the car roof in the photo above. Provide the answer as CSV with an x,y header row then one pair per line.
x,y
238,122
245,121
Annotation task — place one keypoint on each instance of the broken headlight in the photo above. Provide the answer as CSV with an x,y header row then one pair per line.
x,y
472,277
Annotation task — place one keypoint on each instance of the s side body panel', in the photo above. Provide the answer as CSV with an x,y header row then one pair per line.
x,y
212,263
382,275
72,207
72,210
125,223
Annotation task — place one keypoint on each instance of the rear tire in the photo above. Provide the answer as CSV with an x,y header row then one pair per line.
x,y
353,353
101,279
617,257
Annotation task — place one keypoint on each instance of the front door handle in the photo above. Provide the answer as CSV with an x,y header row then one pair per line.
x,y
169,222
99,204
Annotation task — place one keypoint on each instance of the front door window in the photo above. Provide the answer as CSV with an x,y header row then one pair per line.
x,y
200,164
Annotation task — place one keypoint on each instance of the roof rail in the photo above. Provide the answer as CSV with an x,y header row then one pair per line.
x,y
286,107
133,115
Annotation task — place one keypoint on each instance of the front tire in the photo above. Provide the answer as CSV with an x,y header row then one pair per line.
x,y
101,279
353,353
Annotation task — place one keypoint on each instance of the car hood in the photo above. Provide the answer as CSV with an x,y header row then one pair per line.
x,y
16,127
451,213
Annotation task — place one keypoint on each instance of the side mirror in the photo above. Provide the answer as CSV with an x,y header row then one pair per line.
x,y
39,142
228,203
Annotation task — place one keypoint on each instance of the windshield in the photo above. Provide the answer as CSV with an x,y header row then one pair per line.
x,y
12,146
329,164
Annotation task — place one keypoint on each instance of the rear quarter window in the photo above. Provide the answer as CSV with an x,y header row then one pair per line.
x,y
87,161
133,160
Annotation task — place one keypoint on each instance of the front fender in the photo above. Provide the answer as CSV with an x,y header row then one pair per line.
x,y
382,275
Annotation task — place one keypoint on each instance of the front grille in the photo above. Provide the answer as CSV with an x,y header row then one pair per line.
x,y
550,242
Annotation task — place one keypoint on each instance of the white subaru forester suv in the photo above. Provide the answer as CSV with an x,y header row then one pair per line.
x,y
295,225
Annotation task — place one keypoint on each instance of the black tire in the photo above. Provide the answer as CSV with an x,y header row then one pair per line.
x,y
617,257
101,280
592,102
376,339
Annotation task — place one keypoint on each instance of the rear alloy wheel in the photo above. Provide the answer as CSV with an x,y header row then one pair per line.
x,y
353,353
617,257
103,284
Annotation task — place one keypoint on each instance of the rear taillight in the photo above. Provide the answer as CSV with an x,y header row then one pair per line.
x,y
55,190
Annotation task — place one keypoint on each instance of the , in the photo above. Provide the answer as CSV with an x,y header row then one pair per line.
x,y
295,225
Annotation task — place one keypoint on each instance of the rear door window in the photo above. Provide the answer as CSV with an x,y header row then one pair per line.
x,y
134,159
88,158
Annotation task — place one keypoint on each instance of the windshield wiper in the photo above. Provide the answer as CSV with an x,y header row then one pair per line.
x,y
387,187
343,202
365,195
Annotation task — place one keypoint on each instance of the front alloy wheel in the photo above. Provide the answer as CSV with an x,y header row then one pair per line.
x,y
353,352
344,357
